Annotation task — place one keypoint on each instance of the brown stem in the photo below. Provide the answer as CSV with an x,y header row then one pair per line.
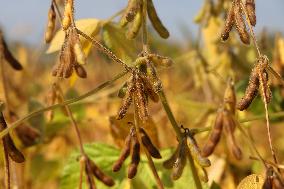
x,y
4,83
103,49
74,123
263,88
7,167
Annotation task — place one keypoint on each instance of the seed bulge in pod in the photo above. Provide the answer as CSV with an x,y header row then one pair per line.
x,y
229,22
124,154
135,26
154,152
80,71
155,20
50,24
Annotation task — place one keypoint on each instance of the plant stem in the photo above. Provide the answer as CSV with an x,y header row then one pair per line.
x,y
195,176
103,49
4,82
144,27
67,102
7,167
150,160
179,135
170,114
74,123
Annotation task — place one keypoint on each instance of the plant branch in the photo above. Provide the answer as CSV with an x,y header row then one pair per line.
x,y
74,123
7,167
179,135
67,102
144,27
103,49
170,114
150,160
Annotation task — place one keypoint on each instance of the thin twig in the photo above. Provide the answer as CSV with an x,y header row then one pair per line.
x,y
74,123
263,88
103,49
67,102
7,167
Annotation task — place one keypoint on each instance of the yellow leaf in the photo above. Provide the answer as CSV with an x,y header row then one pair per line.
x,y
115,39
281,49
90,26
252,181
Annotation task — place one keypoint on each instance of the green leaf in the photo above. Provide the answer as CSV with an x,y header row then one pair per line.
x,y
114,38
105,155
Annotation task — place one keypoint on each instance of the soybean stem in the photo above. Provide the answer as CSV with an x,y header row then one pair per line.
x,y
175,126
150,160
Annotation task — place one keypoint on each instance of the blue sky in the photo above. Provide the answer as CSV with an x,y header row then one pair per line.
x,y
25,20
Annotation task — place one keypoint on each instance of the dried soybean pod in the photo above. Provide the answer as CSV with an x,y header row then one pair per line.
x,y
215,135
195,152
8,55
155,20
27,135
250,8
126,102
134,7
89,176
80,71
141,99
151,93
201,172
153,78
124,154
66,60
229,125
135,158
134,28
161,60
268,182
180,161
169,163
240,23
154,152
122,91
68,12
251,91
12,150
265,86
130,12
50,24
100,175
228,23
79,53
230,96
149,90
127,99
